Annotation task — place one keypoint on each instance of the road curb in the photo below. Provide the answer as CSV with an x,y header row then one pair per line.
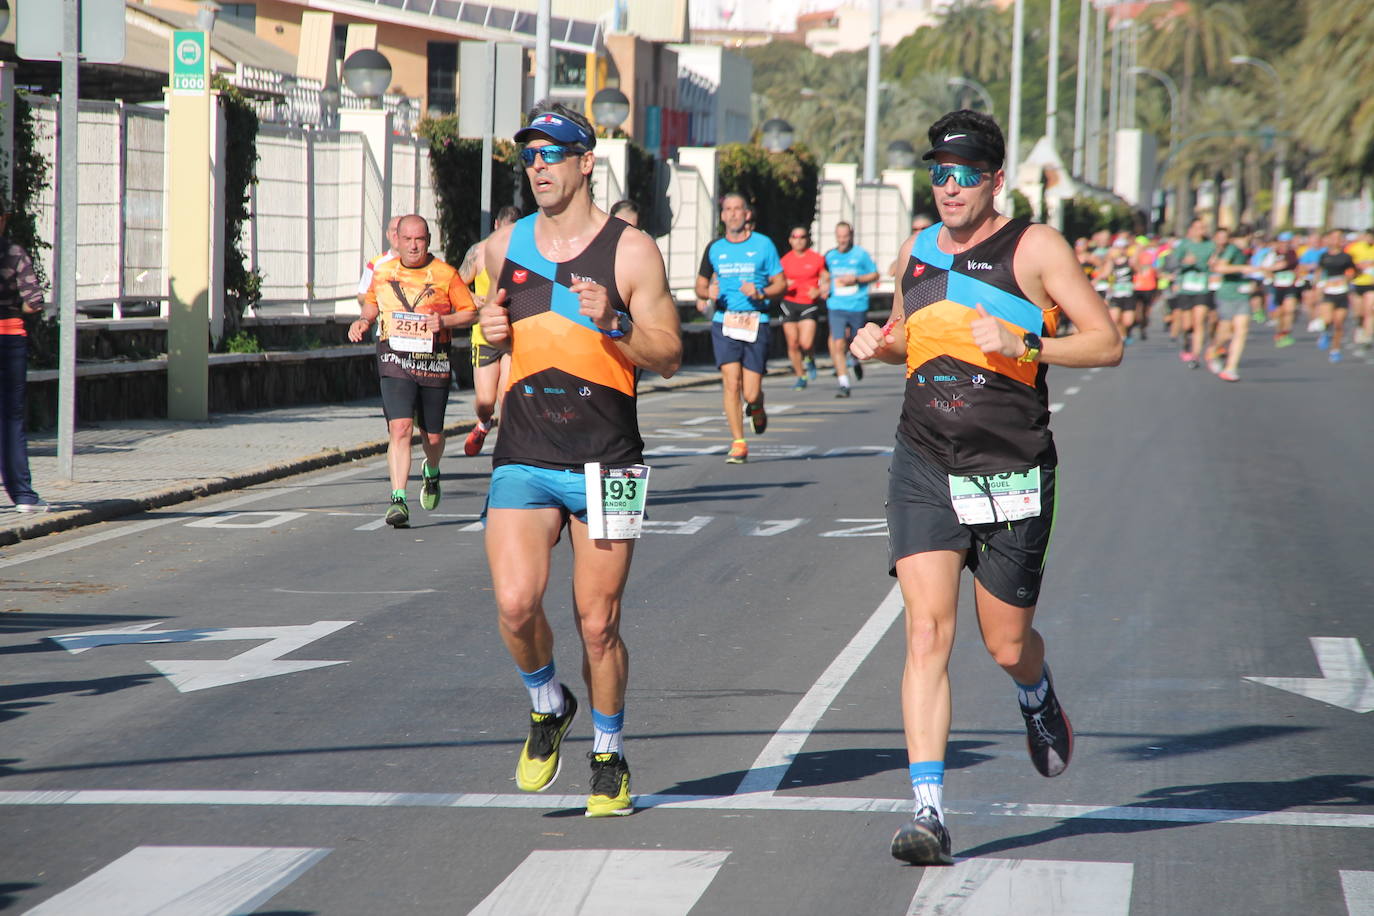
x,y
105,510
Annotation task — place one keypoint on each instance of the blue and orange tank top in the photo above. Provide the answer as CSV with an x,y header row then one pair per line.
x,y
571,395
968,411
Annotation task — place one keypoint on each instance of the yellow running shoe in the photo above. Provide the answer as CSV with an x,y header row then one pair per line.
x,y
739,452
610,786
539,758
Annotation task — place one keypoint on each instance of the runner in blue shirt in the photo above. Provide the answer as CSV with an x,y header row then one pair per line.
x,y
851,271
738,275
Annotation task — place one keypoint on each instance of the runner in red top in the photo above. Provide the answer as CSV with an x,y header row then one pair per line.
x,y
806,276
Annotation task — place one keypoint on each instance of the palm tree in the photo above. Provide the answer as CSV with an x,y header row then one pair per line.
x,y
1198,39
974,40
1333,65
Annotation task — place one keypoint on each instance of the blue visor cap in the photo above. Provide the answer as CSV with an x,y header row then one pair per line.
x,y
556,128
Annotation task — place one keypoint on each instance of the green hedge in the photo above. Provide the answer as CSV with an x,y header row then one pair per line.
x,y
242,287
781,187
456,164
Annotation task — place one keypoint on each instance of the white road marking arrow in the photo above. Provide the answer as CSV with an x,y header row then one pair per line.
x,y
1346,680
188,675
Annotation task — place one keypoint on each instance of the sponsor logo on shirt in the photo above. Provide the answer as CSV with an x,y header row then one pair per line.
x,y
918,269
978,265
520,276
554,391
585,391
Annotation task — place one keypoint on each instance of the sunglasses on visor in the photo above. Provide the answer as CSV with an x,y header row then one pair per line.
x,y
552,154
965,176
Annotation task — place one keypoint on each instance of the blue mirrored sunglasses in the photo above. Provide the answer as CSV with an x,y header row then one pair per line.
x,y
552,154
965,176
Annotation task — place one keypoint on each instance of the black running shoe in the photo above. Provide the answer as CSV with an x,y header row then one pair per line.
x,y
1049,737
540,760
859,369
924,841
759,418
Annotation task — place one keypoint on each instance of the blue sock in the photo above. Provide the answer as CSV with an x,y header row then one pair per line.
x,y
1032,696
928,785
609,738
546,694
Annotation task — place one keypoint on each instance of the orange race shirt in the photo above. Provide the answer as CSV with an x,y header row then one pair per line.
x,y
398,292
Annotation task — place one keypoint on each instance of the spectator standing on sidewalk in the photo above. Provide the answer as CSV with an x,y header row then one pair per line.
x,y
20,295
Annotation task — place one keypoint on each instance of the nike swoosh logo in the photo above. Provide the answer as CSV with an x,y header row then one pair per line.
x,y
949,137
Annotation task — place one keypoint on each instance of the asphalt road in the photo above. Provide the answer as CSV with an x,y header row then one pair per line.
x,y
303,712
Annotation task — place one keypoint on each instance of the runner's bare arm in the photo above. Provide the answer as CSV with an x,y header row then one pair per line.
x,y
1048,272
655,343
472,263
368,312
777,285
887,343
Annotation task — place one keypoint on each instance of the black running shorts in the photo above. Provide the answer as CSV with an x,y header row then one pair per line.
x,y
799,311
1008,558
405,399
485,355
1193,300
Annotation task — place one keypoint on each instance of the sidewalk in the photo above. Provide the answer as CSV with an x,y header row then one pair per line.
x,y
124,467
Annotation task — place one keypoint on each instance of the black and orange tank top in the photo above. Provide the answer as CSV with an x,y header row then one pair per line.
x,y
571,395
968,411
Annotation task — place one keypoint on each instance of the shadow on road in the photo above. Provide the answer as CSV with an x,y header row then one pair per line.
x,y
11,695
1215,740
1236,799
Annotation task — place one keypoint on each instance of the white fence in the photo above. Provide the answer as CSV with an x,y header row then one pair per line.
x,y
316,214
121,179
693,226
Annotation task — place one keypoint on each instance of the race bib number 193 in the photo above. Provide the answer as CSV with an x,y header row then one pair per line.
x,y
615,500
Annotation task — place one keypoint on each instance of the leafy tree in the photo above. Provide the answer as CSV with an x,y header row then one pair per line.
x,y
1329,94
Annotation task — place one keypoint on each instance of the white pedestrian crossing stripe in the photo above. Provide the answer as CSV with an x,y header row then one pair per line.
x,y
1359,892
604,882
253,520
185,880
985,887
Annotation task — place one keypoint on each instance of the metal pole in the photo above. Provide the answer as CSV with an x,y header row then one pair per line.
x,y
65,275
488,122
542,51
1093,164
1018,32
1172,88
1052,79
875,50
1113,103
1080,101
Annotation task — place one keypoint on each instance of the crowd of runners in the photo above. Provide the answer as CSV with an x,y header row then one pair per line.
x,y
1211,286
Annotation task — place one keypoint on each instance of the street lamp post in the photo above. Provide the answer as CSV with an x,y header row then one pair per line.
x,y
1172,89
959,82
1276,213
875,50
776,135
